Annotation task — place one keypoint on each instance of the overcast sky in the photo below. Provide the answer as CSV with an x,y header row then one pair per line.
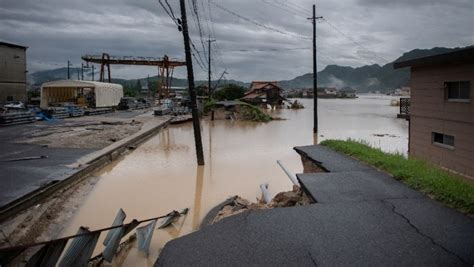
x,y
355,33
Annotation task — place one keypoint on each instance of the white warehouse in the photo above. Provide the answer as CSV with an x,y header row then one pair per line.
x,y
83,93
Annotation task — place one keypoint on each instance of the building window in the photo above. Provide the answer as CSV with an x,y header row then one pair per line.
x,y
443,140
457,91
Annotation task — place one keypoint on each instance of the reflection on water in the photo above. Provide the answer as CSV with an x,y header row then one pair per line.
x,y
198,197
161,175
362,118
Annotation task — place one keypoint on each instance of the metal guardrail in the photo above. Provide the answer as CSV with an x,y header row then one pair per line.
x,y
405,105
82,244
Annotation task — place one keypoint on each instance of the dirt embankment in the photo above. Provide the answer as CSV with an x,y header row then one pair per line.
x,y
44,221
81,134
236,205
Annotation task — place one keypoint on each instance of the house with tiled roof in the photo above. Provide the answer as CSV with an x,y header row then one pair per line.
x,y
264,92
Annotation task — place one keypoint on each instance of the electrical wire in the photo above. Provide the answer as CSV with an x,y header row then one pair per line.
x,y
269,49
169,12
290,11
261,24
196,13
294,7
354,41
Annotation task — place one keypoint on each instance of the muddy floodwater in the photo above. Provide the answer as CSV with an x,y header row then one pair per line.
x,y
161,175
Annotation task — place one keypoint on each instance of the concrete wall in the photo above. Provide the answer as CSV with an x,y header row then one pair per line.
x,y
12,73
431,112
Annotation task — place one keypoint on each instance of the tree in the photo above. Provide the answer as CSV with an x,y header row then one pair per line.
x,y
138,86
153,86
230,92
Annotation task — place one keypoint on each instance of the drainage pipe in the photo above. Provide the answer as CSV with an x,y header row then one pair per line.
x,y
289,174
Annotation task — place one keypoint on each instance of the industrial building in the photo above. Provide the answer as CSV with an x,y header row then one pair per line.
x,y
12,72
442,110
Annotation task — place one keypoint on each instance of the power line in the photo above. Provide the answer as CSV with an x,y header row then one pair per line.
x,y
169,12
295,7
210,33
196,13
280,7
261,24
171,9
199,59
354,41
220,56
286,8
268,49
205,18
210,18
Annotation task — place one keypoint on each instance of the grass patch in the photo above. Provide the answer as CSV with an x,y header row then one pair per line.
x,y
441,185
253,113
209,105
247,111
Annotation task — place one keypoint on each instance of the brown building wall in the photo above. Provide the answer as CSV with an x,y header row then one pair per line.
x,y
15,90
430,112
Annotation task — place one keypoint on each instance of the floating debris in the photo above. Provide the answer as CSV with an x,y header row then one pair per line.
x,y
80,250
383,135
296,105
266,195
119,218
144,235
48,255
173,217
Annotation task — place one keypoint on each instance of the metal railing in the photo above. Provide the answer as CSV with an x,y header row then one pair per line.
x,y
405,106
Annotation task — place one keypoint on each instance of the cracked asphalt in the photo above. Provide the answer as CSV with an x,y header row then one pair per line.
x,y
362,217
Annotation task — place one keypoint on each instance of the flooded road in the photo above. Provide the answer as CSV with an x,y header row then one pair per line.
x,y
161,174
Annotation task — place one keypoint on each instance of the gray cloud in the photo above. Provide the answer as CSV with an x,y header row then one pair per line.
x,y
59,30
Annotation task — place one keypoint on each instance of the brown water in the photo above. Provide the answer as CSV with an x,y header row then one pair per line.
x,y
161,174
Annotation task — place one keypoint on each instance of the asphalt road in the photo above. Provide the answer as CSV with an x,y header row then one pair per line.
x,y
20,177
362,217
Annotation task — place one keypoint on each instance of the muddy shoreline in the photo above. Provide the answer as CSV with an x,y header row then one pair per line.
x,y
49,217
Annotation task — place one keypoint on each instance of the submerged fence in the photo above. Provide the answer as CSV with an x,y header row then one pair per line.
x,y
82,244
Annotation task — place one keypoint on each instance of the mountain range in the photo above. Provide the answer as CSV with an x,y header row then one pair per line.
x,y
364,79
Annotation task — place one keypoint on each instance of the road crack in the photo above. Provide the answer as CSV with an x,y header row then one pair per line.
x,y
418,231
312,258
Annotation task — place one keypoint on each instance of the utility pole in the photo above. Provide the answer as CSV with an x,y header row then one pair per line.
x,y
209,67
315,72
82,71
68,73
220,78
93,72
192,90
